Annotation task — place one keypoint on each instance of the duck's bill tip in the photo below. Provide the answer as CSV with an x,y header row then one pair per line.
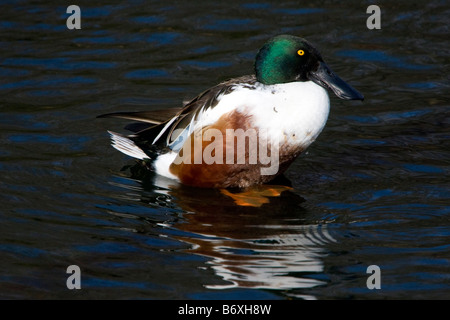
x,y
326,78
354,95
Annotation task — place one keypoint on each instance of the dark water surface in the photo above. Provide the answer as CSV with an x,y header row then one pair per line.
x,y
372,190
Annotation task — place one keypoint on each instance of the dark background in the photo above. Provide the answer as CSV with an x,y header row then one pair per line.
x,y
372,190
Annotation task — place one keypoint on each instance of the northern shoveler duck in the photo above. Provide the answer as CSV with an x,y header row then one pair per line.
x,y
281,110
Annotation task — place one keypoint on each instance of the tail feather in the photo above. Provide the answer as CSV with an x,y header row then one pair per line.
x,y
126,145
153,117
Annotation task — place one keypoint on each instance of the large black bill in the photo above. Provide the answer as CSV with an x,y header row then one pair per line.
x,y
326,78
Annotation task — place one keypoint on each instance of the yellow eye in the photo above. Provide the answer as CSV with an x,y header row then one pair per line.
x,y
300,52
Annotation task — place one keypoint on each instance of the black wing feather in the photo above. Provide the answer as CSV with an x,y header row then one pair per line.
x,y
153,122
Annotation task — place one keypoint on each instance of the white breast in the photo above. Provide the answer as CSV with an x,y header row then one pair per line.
x,y
294,112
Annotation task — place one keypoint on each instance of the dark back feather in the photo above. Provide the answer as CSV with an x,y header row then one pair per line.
x,y
163,128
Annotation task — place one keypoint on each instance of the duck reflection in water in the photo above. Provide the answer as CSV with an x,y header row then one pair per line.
x,y
269,246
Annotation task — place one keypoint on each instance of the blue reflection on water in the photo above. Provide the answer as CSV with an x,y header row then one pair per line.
x,y
28,251
147,74
73,142
54,81
88,282
381,57
420,168
422,85
57,63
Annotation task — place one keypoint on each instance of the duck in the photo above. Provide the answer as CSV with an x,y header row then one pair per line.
x,y
242,132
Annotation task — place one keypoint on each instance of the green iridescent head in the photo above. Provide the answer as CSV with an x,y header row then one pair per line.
x,y
287,58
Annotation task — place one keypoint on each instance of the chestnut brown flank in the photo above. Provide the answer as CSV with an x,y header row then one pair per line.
x,y
223,175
